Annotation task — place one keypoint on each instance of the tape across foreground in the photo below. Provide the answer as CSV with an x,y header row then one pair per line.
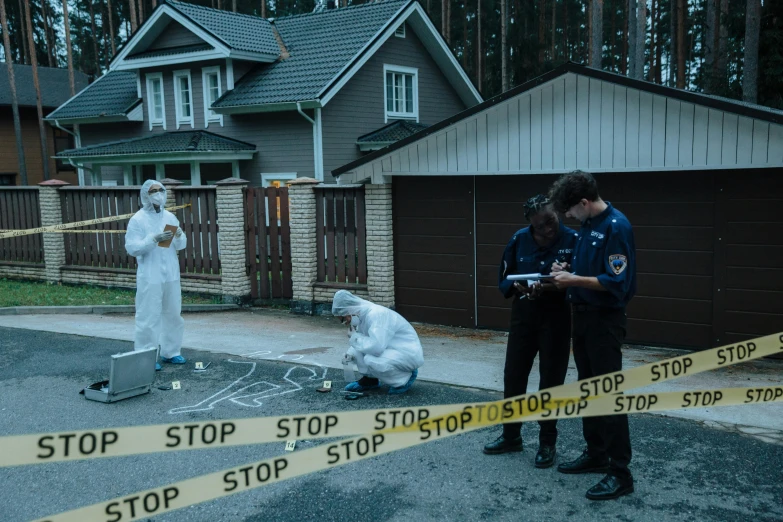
x,y
375,432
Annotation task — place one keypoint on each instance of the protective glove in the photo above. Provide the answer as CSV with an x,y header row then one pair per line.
x,y
163,236
179,232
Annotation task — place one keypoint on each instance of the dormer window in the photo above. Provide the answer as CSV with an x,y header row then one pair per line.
x,y
401,93
183,98
210,77
156,111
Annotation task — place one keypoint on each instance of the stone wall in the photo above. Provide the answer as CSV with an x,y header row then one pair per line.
x,y
26,271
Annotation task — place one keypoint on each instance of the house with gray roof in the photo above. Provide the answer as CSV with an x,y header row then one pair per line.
x,y
55,91
199,94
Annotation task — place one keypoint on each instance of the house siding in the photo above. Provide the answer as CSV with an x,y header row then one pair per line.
x,y
175,35
284,140
31,141
358,108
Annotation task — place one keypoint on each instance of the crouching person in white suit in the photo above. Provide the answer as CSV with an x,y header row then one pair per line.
x,y
383,344
158,295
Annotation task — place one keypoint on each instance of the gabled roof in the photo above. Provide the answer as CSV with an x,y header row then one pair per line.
x,y
55,88
239,31
724,104
320,46
395,131
189,142
113,95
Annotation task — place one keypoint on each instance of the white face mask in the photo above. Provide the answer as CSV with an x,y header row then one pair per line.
x,y
158,199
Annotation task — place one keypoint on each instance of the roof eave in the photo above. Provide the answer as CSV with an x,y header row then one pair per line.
x,y
268,107
159,156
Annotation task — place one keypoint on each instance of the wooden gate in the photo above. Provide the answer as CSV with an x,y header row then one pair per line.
x,y
268,243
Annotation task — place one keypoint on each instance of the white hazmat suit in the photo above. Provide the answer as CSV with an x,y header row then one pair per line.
x,y
158,294
385,345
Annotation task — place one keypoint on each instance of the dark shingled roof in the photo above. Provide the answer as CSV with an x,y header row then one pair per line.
x,y
113,94
320,45
165,143
170,51
241,32
55,89
392,132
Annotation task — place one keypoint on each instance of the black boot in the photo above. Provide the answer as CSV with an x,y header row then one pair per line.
x,y
610,487
545,457
584,464
504,445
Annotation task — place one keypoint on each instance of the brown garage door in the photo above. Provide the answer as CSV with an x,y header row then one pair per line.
x,y
749,268
433,249
672,215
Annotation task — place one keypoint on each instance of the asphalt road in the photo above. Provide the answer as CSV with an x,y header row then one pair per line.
x,y
683,470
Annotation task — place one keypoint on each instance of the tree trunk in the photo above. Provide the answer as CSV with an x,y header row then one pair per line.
x,y
588,54
23,36
672,42
234,5
631,38
37,85
111,25
641,39
554,30
465,37
132,5
479,52
9,63
750,70
448,22
503,45
597,33
614,35
105,38
47,34
681,11
566,40
658,43
140,12
443,11
541,32
624,57
719,77
263,8
68,48
154,4
96,57
710,40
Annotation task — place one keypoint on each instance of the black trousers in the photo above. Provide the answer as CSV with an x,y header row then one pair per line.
x,y
598,336
542,327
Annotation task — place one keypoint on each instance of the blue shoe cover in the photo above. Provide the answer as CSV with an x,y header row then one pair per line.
x,y
356,387
405,387
177,359
158,367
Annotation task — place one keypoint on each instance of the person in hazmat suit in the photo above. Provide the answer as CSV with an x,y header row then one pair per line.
x,y
383,344
158,295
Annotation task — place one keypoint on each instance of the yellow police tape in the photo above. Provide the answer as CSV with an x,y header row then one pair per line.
x,y
66,227
114,442
394,430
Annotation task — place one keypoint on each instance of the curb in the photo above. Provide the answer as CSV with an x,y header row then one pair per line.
x,y
105,309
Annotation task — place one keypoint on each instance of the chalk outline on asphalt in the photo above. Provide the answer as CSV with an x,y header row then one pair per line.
x,y
236,399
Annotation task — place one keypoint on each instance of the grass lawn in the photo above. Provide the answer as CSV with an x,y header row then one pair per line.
x,y
25,293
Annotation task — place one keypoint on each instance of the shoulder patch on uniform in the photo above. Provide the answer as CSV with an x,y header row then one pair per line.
x,y
618,262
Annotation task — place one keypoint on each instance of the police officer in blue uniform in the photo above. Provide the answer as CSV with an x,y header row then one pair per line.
x,y
540,319
600,282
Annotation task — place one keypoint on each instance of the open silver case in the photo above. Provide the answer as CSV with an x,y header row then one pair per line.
x,y
131,374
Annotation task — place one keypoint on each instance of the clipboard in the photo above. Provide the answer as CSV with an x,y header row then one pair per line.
x,y
173,230
529,277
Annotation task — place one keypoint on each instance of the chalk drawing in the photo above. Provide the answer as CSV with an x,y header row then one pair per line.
x,y
246,391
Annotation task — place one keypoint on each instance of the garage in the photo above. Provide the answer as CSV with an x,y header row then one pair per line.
x,y
700,178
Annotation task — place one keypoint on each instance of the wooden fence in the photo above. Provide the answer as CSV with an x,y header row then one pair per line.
x,y
268,242
341,234
107,250
19,209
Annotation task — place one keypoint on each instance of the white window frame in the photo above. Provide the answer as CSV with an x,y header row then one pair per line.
x,y
387,68
183,120
267,178
151,103
400,31
211,116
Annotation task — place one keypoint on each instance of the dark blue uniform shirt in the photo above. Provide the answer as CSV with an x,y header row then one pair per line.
x,y
605,249
524,256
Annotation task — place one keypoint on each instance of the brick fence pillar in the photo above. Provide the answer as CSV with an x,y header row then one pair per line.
x,y
304,260
380,245
171,185
52,214
230,201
